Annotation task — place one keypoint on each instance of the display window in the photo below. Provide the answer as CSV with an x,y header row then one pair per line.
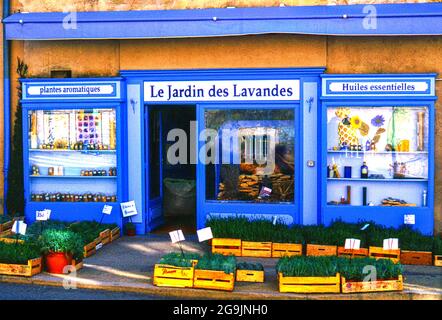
x,y
380,155
72,155
252,155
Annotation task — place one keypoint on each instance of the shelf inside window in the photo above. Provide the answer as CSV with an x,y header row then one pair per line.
x,y
75,177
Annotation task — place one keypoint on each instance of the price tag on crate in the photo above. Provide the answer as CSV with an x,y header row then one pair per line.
x,y
391,244
176,236
352,244
19,227
107,209
99,246
204,234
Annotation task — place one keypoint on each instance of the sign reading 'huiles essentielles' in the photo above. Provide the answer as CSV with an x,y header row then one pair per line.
x,y
241,90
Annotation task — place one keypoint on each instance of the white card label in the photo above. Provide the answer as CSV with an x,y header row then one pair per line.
x,y
391,244
204,234
176,236
107,209
129,209
409,219
19,227
99,246
43,215
352,244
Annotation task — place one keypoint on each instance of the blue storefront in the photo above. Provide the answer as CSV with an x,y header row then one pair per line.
x,y
318,146
90,142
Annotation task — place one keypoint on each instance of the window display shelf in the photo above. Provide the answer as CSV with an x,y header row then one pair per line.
x,y
380,180
70,150
74,177
378,152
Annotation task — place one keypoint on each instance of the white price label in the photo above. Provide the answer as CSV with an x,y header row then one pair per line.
x,y
391,244
352,244
107,209
176,236
204,234
129,209
19,227
409,219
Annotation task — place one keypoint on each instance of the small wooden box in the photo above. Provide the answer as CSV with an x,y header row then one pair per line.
x,y
211,279
170,276
115,234
438,261
90,249
33,267
105,236
310,284
359,253
250,275
380,253
321,250
226,246
373,286
256,249
6,226
286,249
417,257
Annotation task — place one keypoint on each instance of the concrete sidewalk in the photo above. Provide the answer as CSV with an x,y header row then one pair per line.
x,y
127,265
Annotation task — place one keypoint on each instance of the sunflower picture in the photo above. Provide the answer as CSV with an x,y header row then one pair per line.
x,y
355,122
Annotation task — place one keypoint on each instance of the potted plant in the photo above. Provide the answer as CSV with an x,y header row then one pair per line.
x,y
20,259
175,270
388,275
130,229
60,248
215,272
249,272
303,274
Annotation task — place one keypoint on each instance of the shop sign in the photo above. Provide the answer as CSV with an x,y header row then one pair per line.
x,y
73,90
338,87
241,90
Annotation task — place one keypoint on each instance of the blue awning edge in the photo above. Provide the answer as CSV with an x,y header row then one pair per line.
x,y
343,20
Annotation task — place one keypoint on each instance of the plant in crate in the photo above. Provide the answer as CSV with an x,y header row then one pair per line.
x,y
21,259
179,259
60,247
437,251
175,270
215,272
249,272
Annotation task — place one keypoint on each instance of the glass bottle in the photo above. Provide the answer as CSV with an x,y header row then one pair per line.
x,y
364,170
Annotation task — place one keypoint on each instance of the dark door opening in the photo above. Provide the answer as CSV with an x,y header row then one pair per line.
x,y
171,173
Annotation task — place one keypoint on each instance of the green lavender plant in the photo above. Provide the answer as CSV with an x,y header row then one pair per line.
x,y
353,269
437,246
304,266
18,253
413,240
217,262
178,260
249,266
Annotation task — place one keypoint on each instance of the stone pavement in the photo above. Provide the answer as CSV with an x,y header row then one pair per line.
x,y
127,265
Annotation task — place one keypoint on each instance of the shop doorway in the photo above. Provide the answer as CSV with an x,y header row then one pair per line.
x,y
171,175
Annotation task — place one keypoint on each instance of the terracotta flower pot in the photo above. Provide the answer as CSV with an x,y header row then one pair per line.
x,y
56,261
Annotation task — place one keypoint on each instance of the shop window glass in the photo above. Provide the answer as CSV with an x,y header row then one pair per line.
x,y
250,155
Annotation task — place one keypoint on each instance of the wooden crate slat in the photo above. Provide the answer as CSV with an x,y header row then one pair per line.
x,y
438,261
105,236
286,249
90,249
115,234
380,253
6,226
250,275
373,286
32,268
359,253
416,257
226,246
256,249
321,250
171,276
309,284
216,280
11,240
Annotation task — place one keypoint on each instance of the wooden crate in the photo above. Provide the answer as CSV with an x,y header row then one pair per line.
x,y
105,236
11,240
33,267
90,249
321,250
359,253
170,276
211,279
380,253
256,249
115,234
226,246
250,275
77,264
286,249
417,257
438,261
372,286
309,284
6,226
